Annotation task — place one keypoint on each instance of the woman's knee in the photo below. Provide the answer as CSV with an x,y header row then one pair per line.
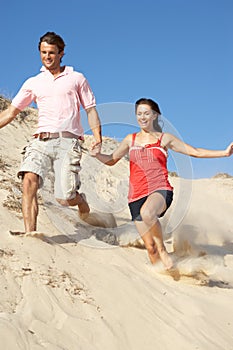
x,y
148,217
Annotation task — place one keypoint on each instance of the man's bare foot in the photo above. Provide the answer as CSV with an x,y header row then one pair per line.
x,y
34,234
83,206
166,259
17,233
26,234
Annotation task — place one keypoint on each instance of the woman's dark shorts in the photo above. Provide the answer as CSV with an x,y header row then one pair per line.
x,y
135,207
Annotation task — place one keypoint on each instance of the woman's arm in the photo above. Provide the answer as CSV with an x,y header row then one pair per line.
x,y
175,144
120,152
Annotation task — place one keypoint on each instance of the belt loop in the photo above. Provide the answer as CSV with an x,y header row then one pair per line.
x,y
60,134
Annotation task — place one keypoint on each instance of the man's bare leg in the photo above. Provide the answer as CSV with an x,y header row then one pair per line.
x,y
29,201
79,200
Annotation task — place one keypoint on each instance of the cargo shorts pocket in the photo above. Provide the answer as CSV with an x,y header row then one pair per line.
x,y
24,151
75,154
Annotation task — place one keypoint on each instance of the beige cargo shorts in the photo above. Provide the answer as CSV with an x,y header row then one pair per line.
x,y
61,156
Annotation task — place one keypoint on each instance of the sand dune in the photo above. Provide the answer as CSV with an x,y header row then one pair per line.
x,y
87,285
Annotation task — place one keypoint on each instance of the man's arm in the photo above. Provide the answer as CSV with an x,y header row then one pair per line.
x,y
95,125
8,115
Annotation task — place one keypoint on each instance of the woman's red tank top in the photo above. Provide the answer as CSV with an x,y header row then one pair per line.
x,y
148,169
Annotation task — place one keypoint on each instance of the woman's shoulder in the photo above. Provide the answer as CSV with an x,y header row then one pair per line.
x,y
166,138
167,135
130,137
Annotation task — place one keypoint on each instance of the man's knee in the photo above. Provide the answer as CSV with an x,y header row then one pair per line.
x,y
79,199
69,201
63,202
30,182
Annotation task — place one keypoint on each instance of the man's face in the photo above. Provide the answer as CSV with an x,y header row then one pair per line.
x,y
50,56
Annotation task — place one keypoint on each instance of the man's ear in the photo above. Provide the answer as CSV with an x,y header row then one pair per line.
x,y
62,53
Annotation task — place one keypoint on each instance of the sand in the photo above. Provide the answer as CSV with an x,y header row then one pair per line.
x,y
89,285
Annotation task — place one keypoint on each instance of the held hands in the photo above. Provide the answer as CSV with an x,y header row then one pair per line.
x,y
95,149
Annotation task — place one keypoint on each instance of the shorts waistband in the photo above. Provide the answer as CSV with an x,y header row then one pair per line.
x,y
44,136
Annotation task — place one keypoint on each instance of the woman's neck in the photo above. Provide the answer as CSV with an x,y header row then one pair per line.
x,y
146,136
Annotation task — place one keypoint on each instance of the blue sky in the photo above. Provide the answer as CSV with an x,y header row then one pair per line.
x,y
178,52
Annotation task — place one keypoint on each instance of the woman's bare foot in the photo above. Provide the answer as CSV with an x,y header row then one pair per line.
x,y
83,207
155,257
165,258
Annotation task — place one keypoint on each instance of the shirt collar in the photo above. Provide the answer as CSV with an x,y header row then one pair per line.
x,y
67,70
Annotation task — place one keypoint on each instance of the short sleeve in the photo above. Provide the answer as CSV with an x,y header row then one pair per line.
x,y
25,95
86,95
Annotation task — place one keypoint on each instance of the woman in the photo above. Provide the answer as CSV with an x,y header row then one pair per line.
x,y
150,193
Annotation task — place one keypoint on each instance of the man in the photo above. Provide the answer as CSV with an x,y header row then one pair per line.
x,y
58,91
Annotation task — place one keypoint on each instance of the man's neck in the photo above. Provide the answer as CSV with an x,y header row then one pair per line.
x,y
57,71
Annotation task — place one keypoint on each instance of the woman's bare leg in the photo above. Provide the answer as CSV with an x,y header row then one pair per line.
x,y
151,231
148,241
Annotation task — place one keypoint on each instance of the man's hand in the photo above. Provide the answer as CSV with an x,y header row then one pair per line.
x,y
95,148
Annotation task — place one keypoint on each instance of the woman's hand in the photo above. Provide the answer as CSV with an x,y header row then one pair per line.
x,y
229,150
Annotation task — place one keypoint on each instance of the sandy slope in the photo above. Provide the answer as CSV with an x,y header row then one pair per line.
x,y
77,287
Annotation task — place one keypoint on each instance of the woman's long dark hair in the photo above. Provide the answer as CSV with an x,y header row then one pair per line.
x,y
154,106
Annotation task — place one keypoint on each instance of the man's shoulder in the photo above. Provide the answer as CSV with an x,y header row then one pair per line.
x,y
77,77
71,70
36,76
30,80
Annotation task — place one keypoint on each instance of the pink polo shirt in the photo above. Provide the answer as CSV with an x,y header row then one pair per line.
x,y
58,99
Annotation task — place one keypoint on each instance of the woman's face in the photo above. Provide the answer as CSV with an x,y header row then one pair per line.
x,y
145,116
